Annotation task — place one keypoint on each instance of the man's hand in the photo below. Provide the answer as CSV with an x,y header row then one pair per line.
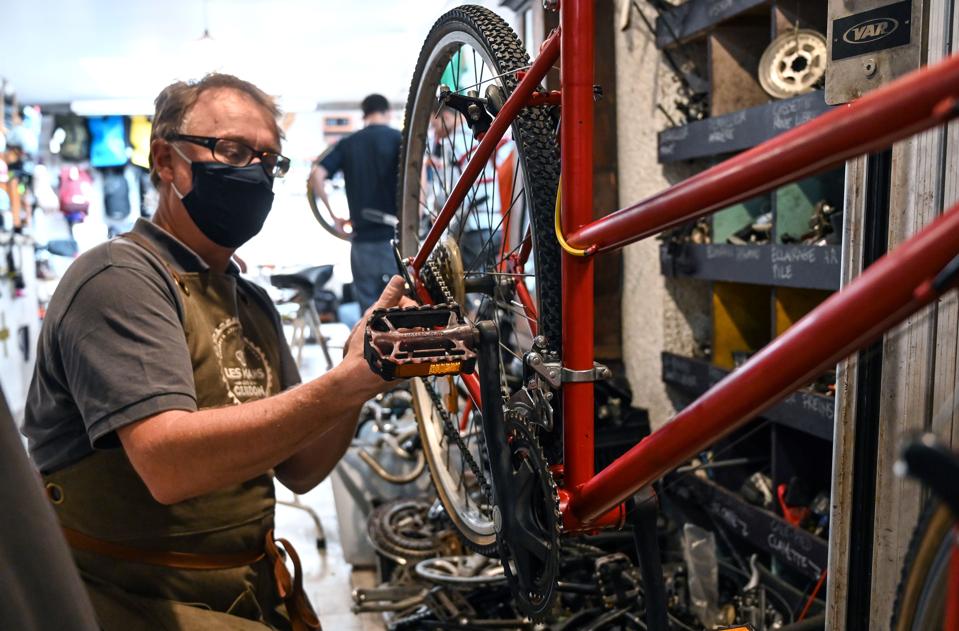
x,y
394,295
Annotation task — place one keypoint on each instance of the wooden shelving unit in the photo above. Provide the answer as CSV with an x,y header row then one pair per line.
x,y
760,285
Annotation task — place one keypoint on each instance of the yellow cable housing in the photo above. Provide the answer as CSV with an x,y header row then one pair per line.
x,y
559,230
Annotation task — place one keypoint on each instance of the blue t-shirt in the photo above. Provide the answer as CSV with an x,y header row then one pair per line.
x,y
369,161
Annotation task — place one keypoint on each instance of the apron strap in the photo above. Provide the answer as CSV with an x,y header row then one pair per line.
x,y
178,560
133,237
301,613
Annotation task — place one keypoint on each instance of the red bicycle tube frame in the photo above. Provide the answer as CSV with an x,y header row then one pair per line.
x,y
576,146
516,102
894,287
896,111
951,622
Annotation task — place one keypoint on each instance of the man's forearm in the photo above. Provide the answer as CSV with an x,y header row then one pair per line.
x,y
185,454
310,465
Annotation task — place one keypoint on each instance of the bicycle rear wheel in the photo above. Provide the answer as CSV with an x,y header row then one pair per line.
x,y
921,596
499,253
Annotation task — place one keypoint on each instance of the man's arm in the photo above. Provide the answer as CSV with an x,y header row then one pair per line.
x,y
313,462
320,175
181,454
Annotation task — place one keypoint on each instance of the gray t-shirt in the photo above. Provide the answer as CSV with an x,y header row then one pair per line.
x,y
113,351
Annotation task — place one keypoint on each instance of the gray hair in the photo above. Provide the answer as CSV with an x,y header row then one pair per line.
x,y
177,99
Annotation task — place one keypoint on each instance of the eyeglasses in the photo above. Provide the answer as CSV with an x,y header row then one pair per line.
x,y
238,154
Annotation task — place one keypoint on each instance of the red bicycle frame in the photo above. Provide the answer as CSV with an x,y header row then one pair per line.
x,y
891,289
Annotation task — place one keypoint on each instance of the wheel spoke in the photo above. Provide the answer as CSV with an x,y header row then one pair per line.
x,y
486,229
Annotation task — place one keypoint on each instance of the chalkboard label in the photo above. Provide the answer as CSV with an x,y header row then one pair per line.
x,y
870,31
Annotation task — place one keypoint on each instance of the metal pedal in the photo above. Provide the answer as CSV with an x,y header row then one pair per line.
x,y
419,342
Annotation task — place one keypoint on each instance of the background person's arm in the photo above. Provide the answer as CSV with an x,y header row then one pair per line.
x,y
320,175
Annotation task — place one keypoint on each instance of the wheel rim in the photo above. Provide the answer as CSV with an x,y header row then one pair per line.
x,y
930,608
321,215
487,233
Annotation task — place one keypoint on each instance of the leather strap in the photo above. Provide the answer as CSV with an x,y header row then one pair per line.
x,y
290,588
178,560
149,247
298,606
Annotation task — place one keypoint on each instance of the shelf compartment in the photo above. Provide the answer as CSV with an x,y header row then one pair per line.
x,y
803,410
728,221
780,265
739,130
693,18
795,203
736,328
735,48
801,550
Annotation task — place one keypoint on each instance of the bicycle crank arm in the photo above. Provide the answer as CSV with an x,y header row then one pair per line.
x,y
494,425
525,503
419,341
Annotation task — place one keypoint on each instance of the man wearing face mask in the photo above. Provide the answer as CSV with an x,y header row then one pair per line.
x,y
163,401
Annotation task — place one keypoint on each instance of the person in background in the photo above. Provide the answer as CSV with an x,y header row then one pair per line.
x,y
368,159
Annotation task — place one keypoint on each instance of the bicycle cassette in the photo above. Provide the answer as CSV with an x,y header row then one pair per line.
x,y
419,342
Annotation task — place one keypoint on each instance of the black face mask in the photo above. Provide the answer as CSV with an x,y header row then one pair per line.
x,y
228,204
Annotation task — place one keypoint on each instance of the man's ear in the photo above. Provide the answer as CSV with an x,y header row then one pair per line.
x,y
162,154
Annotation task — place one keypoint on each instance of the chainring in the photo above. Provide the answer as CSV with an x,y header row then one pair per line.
x,y
529,542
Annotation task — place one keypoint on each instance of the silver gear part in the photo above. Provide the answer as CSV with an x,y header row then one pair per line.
x,y
463,571
794,63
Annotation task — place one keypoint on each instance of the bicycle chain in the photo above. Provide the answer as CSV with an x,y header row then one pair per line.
x,y
433,275
538,609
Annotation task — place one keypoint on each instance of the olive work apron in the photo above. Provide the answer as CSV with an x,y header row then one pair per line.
x,y
208,563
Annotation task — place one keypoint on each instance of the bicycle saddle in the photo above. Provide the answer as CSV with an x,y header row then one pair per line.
x,y
308,280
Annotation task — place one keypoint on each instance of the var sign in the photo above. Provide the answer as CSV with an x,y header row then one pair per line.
x,y
871,30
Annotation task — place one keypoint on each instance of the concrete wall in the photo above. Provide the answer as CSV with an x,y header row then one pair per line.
x,y
658,313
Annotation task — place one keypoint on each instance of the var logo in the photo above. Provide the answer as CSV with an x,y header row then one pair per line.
x,y
870,30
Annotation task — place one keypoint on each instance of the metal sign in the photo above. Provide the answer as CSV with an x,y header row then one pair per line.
x,y
871,31
871,42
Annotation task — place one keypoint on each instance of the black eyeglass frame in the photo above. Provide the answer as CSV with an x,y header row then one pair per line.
x,y
281,168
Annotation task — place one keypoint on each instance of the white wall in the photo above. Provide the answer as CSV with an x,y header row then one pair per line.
x,y
658,313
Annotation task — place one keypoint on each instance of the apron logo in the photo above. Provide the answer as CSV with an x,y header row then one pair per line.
x,y
870,30
243,366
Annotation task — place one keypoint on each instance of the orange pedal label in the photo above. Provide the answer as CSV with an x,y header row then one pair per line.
x,y
448,368
428,370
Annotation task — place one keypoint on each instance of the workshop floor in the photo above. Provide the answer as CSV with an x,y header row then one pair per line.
x,y
328,578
